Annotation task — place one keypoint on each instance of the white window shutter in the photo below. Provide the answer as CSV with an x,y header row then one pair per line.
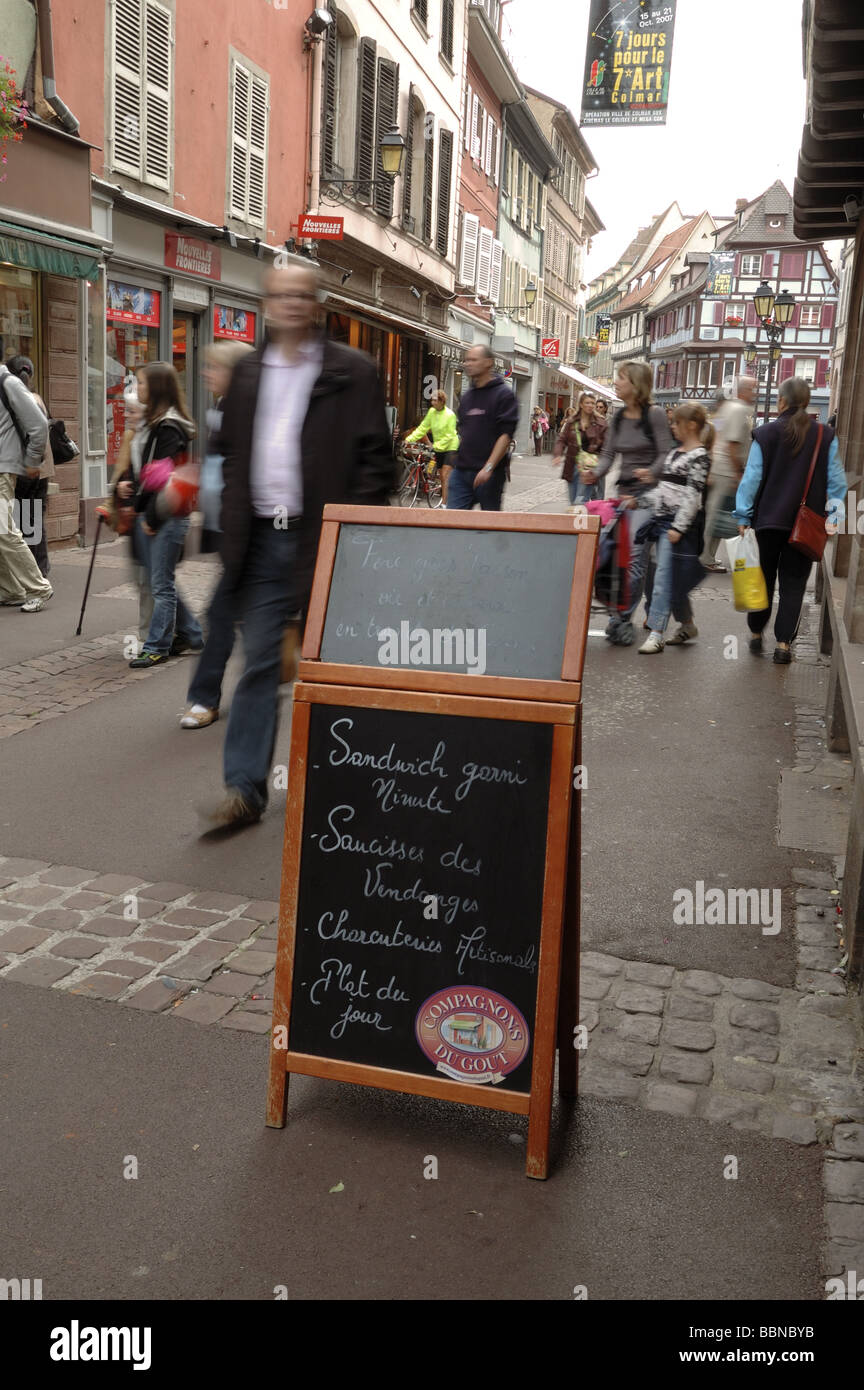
x,y
487,147
257,152
475,128
157,95
495,279
496,154
239,190
470,241
127,142
484,262
520,296
469,106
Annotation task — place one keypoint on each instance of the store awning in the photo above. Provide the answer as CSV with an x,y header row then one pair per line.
x,y
585,381
42,251
831,161
385,317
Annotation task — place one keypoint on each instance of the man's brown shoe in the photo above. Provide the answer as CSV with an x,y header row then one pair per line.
x,y
231,812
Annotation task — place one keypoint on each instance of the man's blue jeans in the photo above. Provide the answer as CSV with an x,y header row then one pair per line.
x,y
266,597
206,686
462,494
159,555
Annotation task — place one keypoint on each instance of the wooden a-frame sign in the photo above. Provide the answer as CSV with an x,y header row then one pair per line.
x,y
413,791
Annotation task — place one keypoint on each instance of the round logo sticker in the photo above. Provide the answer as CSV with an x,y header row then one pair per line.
x,y
472,1034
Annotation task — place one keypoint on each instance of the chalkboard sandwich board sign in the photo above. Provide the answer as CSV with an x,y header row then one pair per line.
x,y
488,603
422,912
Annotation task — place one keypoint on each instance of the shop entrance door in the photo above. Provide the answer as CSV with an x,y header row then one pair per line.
x,y
186,333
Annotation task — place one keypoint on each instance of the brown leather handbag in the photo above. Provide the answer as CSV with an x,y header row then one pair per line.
x,y
809,534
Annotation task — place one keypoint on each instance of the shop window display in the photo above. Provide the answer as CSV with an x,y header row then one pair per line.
x,y
131,339
19,313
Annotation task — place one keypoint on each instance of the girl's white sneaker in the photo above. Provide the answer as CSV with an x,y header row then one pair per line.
x,y
652,644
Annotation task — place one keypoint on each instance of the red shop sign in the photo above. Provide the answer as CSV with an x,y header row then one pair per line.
x,y
229,322
551,347
192,256
322,228
132,304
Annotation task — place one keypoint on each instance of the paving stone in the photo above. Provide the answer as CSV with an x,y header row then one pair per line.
x,y
813,897
699,1010
270,929
844,1182
633,1057
77,948
684,1066
674,1100
849,1141
158,931
166,892
818,1030
144,908
21,939
844,1257
761,1020
39,970
192,917
102,986
589,987
34,895
814,980
601,965
12,912
589,1015
113,884
237,930
701,982
204,1008
194,970
7,882
828,1004
132,969
797,1128
218,902
818,957
815,914
64,877
258,1006
229,982
57,919
845,1220
252,962
814,878
111,926
152,950
87,902
816,934
753,1045
643,1028
802,1107
729,1109
262,911
603,1081
23,868
742,1077
754,989
646,974
697,1037
246,1022
154,997
640,999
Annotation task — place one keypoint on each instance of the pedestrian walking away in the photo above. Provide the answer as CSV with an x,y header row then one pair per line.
x,y
539,427
31,494
638,441
440,422
304,424
769,498
23,441
733,422
678,524
487,421
159,445
205,691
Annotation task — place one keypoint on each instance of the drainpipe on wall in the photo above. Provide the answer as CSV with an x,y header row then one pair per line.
x,y
68,121
315,126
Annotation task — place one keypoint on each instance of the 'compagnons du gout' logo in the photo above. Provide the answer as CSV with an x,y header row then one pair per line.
x,y
472,1035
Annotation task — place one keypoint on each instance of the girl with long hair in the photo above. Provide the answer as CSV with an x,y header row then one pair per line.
x,y
583,433
769,496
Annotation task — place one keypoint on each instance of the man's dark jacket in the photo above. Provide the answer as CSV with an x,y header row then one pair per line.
x,y
346,449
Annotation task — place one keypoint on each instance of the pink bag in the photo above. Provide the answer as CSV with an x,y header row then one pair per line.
x,y
179,496
154,475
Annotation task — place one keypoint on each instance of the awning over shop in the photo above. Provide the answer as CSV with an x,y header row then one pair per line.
x,y
831,162
383,316
585,381
41,251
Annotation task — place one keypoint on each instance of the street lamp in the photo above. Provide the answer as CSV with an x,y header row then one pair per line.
x,y
774,313
530,293
391,148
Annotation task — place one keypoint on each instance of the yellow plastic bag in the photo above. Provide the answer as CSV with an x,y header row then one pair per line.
x,y
749,591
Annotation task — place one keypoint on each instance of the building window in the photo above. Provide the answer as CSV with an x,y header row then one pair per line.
x,y
810,316
751,265
420,8
247,178
19,316
448,11
805,368
141,86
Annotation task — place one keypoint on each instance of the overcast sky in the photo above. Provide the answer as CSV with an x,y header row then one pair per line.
x,y
736,108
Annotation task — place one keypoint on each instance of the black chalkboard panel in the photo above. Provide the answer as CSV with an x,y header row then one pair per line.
x,y
400,808
478,602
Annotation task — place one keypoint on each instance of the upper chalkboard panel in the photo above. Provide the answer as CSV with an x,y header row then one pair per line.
x,y
476,602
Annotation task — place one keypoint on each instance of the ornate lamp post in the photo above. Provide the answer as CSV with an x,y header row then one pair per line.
x,y
391,147
774,313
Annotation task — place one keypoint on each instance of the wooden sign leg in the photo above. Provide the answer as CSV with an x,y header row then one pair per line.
x,y
277,1090
568,1006
539,1128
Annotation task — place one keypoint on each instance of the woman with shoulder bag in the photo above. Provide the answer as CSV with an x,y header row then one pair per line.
x,y
33,492
792,494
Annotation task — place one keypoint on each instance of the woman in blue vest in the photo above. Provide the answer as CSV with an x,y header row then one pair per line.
x,y
768,499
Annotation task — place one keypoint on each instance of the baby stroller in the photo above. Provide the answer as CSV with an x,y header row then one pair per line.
x,y
611,578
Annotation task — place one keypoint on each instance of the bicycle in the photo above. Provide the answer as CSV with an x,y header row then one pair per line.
x,y
421,479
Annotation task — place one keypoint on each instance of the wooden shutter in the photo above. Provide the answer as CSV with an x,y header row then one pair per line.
x,y
475,128
495,276
796,317
257,151
822,369
421,9
445,180
537,310
364,152
469,107
792,265
767,265
736,269
387,108
719,311
828,316
127,88
428,169
506,167
484,263
487,143
448,10
408,166
330,95
238,194
750,319
787,368
520,292
157,95
470,242
496,153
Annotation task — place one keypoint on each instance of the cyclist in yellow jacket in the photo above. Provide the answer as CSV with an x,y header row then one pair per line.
x,y
441,424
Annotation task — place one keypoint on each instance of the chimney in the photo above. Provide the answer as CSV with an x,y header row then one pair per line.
x,y
741,204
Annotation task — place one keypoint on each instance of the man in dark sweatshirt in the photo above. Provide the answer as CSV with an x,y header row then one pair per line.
x,y
488,416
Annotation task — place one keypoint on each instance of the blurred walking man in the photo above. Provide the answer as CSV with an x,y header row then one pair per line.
x,y
488,416
23,439
732,421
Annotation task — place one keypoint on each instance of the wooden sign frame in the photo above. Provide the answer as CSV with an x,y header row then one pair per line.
x,y
556,1013
568,688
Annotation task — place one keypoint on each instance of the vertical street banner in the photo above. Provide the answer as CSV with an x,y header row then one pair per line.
x,y
721,265
627,62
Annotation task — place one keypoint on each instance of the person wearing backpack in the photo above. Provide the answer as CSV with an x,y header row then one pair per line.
x,y
639,439
23,440
31,494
